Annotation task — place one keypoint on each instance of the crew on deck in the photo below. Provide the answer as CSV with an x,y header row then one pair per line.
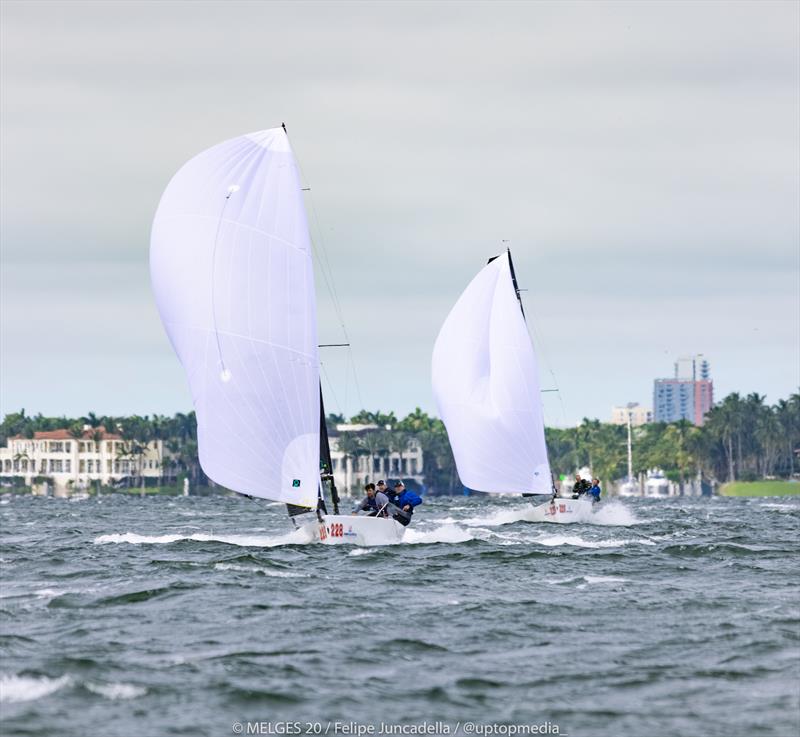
x,y
581,487
595,491
374,503
384,489
382,501
405,500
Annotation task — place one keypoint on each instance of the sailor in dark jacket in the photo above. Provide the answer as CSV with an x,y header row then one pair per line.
x,y
405,500
369,503
581,487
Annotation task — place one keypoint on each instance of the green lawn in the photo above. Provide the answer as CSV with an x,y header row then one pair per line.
x,y
760,488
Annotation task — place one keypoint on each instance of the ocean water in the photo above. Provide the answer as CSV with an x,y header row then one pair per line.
x,y
124,616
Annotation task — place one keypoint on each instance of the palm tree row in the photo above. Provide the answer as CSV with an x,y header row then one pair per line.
x,y
742,438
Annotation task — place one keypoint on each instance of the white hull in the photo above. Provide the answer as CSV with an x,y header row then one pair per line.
x,y
348,529
562,511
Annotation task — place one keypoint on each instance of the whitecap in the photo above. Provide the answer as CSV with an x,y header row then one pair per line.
x,y
49,593
116,691
14,689
443,534
579,542
258,569
295,537
613,514
604,579
502,517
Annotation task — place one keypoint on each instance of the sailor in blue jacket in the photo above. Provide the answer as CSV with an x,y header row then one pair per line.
x,y
406,500
595,491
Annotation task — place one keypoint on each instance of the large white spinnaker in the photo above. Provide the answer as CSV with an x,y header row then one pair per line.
x,y
231,270
486,385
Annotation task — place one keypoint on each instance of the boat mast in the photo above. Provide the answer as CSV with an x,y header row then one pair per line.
x,y
326,464
522,310
514,282
630,451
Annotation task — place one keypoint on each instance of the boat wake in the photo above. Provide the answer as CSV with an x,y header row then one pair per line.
x,y
295,537
610,514
446,531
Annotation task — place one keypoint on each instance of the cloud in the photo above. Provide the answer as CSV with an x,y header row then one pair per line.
x,y
641,158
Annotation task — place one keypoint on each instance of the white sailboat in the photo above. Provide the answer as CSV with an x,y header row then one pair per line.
x,y
486,385
629,487
231,269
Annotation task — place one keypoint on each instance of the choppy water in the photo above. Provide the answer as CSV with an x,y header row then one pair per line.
x,y
125,616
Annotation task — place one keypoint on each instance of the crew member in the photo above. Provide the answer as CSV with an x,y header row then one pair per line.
x,y
595,491
581,487
405,500
374,503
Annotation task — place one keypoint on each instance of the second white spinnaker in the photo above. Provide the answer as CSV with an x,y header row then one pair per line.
x,y
486,385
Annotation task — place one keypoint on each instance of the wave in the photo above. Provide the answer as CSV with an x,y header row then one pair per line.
x,y
579,542
15,689
614,514
260,570
604,579
115,691
610,514
295,537
445,534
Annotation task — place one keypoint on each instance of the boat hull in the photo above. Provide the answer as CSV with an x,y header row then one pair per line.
x,y
345,529
562,511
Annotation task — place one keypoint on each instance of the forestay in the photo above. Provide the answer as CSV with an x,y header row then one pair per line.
x,y
231,269
486,384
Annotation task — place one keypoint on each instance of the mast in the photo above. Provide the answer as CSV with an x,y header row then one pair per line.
x,y
522,310
326,464
630,451
514,282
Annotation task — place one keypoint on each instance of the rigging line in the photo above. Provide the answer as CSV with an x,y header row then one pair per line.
x,y
326,271
330,386
331,284
322,260
225,374
538,338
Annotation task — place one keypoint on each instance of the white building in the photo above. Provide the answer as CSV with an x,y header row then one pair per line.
x,y
66,462
639,415
356,463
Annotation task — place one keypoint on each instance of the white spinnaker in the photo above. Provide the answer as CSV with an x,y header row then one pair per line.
x,y
230,264
486,384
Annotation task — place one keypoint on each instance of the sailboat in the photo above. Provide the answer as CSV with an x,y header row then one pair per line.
x,y
486,385
232,275
629,487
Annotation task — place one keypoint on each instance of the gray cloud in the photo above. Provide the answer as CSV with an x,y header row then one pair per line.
x,y
642,159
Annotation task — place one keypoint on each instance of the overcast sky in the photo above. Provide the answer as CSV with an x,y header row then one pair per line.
x,y
642,160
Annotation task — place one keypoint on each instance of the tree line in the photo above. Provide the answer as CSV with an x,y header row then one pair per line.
x,y
743,438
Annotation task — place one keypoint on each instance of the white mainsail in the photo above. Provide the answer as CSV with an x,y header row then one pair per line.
x,y
230,264
486,385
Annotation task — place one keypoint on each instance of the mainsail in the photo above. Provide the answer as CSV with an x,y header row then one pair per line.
x,y
486,385
230,263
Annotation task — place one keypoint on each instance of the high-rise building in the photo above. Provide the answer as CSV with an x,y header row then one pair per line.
x,y
638,415
687,396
